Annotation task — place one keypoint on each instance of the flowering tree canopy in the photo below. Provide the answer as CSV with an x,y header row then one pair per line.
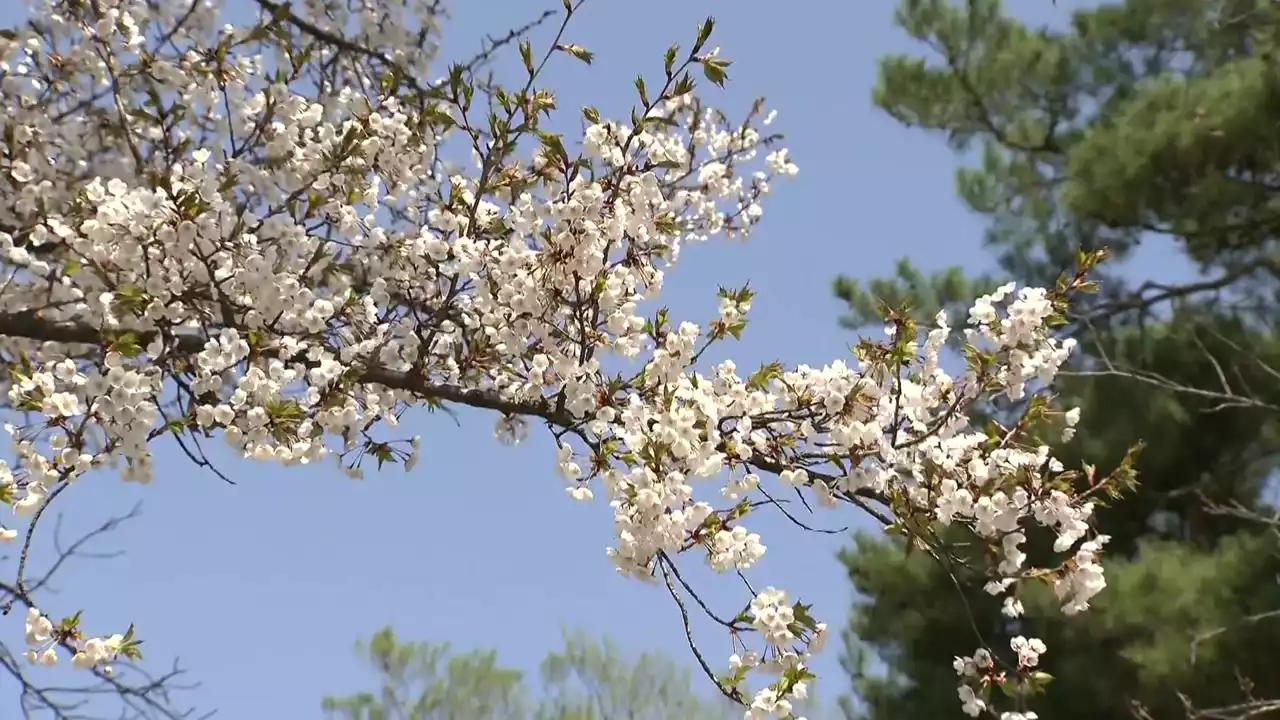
x,y
256,233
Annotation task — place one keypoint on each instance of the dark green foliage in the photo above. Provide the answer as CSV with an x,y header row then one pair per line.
x,y
1154,121
1143,122
1135,644
1175,569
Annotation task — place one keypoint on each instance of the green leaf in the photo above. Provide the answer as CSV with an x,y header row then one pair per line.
x,y
1040,678
704,32
669,60
554,145
382,452
577,51
526,54
684,86
127,345
760,379
715,70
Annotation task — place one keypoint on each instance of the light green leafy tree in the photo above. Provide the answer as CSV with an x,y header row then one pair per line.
x,y
426,681
593,680
587,679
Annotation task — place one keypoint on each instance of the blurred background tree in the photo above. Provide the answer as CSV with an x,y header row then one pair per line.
x,y
426,681
1150,128
587,679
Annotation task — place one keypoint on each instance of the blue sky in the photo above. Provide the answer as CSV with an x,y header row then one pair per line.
x,y
261,588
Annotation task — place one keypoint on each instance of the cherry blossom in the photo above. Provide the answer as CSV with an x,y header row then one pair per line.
x,y
265,235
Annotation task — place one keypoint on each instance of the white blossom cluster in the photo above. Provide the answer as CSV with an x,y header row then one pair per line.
x,y
979,673
42,639
254,233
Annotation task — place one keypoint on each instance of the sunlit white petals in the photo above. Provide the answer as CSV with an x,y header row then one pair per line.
x,y
290,270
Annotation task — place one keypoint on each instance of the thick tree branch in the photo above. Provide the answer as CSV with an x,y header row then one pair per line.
x,y
30,326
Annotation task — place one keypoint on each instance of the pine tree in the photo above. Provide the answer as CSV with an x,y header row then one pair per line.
x,y
1147,122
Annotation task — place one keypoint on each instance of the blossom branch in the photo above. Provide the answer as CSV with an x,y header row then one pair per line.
x,y
257,237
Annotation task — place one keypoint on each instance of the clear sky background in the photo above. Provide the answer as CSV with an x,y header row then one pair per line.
x,y
262,588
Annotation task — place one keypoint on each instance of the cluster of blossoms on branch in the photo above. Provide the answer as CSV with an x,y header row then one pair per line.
x,y
43,638
258,232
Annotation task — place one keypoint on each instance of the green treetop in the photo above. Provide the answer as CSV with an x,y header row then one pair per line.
x,y
587,679
1147,122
